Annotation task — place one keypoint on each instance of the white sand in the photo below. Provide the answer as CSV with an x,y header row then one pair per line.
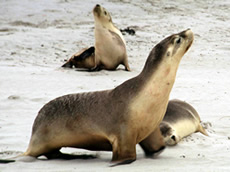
x,y
36,36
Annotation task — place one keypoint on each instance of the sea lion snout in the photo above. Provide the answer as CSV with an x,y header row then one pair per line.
x,y
97,10
185,32
180,43
188,35
101,12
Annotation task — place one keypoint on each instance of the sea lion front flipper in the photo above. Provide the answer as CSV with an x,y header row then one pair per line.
x,y
127,68
95,69
153,144
124,151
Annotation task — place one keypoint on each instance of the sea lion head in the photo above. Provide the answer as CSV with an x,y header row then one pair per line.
x,y
101,15
170,50
168,133
176,45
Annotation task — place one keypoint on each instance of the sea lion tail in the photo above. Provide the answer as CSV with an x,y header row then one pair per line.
x,y
202,130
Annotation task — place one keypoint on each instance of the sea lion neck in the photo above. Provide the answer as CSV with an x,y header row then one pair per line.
x,y
153,61
135,85
129,88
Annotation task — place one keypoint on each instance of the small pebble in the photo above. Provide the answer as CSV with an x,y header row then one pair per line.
x,y
182,156
13,97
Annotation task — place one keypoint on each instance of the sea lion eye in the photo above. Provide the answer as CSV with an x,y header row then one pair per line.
x,y
105,13
173,137
178,41
168,53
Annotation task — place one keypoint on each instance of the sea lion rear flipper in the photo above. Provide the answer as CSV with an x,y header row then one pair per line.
x,y
9,160
79,57
202,130
4,161
85,54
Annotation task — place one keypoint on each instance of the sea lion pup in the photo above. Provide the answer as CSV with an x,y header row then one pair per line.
x,y
117,119
180,120
109,50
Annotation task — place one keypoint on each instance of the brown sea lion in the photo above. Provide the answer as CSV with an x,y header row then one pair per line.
x,y
109,50
180,120
117,119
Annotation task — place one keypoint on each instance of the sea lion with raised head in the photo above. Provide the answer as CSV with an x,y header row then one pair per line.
x,y
109,50
117,119
180,120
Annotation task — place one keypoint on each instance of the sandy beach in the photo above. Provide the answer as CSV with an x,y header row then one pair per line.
x,y
37,36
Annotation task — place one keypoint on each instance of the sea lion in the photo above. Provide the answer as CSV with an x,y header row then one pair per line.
x,y
180,120
117,119
109,50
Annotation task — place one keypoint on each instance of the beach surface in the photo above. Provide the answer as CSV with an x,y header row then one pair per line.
x,y
37,36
